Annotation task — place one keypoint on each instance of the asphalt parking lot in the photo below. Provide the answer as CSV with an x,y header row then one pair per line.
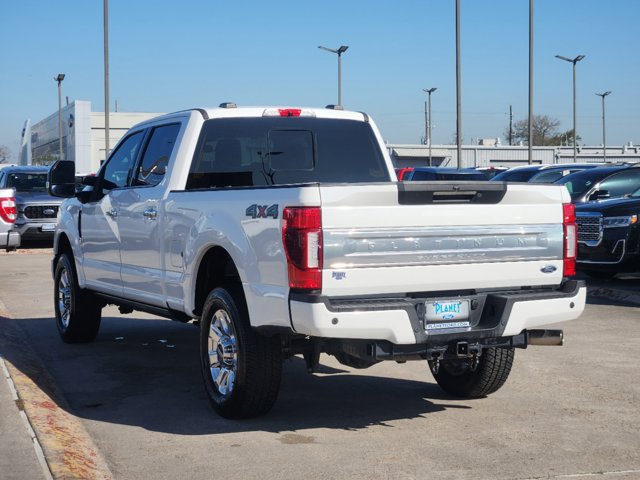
x,y
131,405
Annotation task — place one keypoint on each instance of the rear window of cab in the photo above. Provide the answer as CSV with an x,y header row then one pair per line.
x,y
279,151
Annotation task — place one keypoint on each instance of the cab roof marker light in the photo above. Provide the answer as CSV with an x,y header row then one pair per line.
x,y
335,107
287,112
228,105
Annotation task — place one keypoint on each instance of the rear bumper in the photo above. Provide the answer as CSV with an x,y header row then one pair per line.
x,y
9,240
401,320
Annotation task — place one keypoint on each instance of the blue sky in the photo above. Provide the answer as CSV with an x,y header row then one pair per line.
x,y
167,56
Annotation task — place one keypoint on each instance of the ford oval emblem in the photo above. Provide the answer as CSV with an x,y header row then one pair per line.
x,y
548,269
49,211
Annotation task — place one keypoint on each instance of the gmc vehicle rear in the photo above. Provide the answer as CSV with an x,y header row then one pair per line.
x,y
282,231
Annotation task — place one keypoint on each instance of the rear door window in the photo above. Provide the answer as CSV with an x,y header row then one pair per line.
x,y
153,166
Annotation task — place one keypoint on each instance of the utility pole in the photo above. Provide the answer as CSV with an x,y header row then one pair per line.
x,y
510,125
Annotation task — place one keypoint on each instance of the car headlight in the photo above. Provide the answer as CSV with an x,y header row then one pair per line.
x,y
611,222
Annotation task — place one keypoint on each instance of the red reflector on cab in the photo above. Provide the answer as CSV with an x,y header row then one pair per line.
x,y
289,112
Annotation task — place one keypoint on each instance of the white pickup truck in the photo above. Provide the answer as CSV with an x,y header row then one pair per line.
x,y
283,231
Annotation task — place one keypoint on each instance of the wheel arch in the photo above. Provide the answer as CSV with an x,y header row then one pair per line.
x,y
216,269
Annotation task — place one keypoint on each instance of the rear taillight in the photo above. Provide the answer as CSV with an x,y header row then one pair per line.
x,y
570,250
302,239
8,211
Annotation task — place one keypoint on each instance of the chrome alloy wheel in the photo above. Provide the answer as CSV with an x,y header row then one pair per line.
x,y
223,353
64,297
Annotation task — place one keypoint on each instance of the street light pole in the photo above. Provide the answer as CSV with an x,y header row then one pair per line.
x,y
575,133
429,91
458,88
530,82
106,79
339,52
59,79
604,138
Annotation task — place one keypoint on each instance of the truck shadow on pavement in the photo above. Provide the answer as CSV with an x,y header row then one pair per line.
x,y
145,372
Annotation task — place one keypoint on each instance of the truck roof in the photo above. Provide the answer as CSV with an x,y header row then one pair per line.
x,y
230,110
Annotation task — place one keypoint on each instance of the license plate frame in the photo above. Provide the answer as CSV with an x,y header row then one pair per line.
x,y
446,314
48,227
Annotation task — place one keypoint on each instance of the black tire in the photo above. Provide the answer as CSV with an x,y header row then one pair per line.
x,y
240,368
78,313
600,274
456,378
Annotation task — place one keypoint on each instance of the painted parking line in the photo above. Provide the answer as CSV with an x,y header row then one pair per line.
x,y
69,451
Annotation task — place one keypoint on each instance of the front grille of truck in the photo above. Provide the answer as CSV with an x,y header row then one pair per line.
x,y
41,211
589,229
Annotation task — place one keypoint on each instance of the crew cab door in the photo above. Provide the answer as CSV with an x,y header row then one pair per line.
x,y
100,231
140,219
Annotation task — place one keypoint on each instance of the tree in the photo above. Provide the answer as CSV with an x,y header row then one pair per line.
x,y
5,154
564,138
545,128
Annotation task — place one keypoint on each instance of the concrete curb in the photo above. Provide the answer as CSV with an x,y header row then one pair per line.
x,y
63,446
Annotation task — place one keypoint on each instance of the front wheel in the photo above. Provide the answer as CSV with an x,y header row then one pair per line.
x,y
458,379
78,314
241,369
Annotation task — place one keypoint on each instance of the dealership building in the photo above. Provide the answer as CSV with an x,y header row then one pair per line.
x,y
83,136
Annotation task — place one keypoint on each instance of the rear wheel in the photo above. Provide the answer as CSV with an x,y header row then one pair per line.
x,y
494,365
241,369
77,311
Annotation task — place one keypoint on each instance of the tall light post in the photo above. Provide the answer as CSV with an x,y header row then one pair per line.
x,y
604,138
458,88
339,52
530,150
429,91
106,79
59,79
575,133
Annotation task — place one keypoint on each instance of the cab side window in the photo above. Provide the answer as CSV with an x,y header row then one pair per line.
x,y
155,159
120,164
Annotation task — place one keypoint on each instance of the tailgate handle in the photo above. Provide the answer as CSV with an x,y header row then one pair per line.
x,y
423,193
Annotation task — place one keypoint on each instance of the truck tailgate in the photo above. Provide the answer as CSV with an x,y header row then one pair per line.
x,y
439,236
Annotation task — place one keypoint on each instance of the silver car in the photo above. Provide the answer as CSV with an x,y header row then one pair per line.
x,y
37,210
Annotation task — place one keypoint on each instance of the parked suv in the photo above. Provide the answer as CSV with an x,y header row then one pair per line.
x,y
609,236
37,210
9,239
540,173
602,183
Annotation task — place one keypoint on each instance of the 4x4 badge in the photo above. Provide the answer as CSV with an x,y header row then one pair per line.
x,y
262,211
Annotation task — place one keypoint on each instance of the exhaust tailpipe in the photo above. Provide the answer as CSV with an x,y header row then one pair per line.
x,y
545,337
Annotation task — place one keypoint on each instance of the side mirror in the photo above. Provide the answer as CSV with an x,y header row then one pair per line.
x,y
599,195
61,179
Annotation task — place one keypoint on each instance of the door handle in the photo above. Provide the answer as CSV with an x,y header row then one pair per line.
x,y
113,212
150,213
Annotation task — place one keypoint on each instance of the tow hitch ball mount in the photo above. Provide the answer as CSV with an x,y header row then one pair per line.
x,y
471,352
